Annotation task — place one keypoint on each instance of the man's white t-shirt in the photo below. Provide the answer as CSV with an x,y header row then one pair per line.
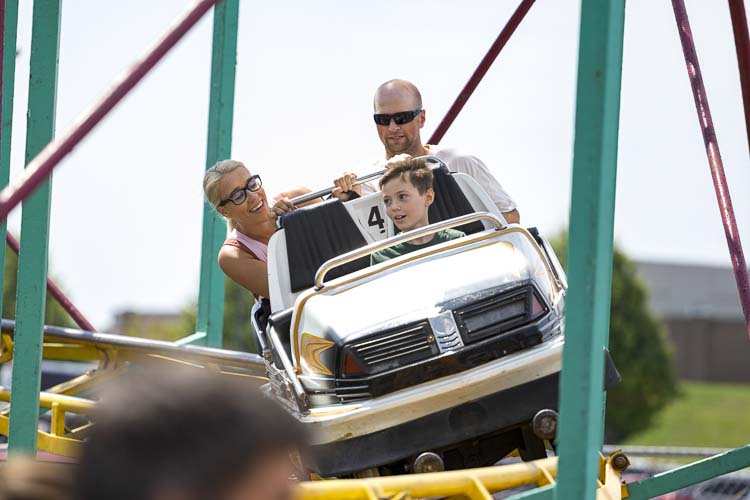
x,y
473,166
467,164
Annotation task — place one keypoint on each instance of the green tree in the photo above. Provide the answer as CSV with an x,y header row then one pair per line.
x,y
54,314
238,331
639,347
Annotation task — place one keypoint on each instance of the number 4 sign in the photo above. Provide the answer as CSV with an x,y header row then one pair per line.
x,y
375,219
369,213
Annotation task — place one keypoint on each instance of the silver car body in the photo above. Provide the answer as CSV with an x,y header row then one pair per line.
x,y
306,375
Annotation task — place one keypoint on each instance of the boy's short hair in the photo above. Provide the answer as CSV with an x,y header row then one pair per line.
x,y
414,171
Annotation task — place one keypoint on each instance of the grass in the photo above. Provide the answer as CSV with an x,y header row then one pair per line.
x,y
715,415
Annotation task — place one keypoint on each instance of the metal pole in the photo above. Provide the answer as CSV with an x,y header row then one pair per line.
x,y
686,475
742,45
484,66
714,158
220,120
9,25
42,165
55,291
590,243
32,262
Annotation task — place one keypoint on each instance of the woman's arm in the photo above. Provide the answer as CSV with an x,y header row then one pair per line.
x,y
299,191
244,270
284,201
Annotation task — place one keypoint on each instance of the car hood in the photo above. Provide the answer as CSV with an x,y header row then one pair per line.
x,y
418,283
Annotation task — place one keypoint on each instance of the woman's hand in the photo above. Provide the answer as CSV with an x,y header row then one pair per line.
x,y
282,206
345,184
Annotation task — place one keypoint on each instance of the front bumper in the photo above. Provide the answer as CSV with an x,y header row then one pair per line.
x,y
504,409
343,422
495,396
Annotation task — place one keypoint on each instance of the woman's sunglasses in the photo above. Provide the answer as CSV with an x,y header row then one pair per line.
x,y
400,118
238,196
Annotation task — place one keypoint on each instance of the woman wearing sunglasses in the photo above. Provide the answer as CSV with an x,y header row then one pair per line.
x,y
239,197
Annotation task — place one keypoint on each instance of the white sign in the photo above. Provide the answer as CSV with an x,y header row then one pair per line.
x,y
369,213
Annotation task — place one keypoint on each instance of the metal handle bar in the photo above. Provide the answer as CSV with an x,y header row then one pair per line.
x,y
360,180
409,235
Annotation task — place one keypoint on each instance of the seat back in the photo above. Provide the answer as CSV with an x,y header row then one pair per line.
x,y
312,235
450,201
317,234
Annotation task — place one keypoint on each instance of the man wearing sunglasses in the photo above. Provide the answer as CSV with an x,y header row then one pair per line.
x,y
399,117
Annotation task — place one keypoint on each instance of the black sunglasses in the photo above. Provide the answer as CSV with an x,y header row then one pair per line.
x,y
238,196
399,118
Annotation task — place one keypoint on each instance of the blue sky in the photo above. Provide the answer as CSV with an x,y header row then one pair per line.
x,y
126,221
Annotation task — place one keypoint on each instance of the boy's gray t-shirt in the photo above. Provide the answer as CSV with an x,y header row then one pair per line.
x,y
404,248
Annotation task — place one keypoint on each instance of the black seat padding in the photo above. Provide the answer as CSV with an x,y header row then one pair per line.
x,y
450,201
316,234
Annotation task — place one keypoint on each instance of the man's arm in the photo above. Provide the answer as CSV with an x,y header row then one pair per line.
x,y
512,217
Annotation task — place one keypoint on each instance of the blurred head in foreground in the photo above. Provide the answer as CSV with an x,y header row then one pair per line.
x,y
27,479
188,436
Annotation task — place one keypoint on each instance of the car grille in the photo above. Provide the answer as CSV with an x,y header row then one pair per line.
x,y
395,348
350,391
498,314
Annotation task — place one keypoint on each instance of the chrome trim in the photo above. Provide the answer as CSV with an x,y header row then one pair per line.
x,y
360,180
446,332
299,391
256,326
409,235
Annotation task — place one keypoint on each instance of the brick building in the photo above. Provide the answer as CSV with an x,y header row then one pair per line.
x,y
701,308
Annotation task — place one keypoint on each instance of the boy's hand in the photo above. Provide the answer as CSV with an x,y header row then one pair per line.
x,y
344,184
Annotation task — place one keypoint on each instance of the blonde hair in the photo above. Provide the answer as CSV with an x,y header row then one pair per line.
x,y
212,179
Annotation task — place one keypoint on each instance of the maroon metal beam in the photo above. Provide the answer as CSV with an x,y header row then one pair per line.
x,y
742,45
714,158
56,292
40,167
484,66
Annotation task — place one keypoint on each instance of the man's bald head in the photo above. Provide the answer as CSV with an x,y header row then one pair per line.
x,y
398,90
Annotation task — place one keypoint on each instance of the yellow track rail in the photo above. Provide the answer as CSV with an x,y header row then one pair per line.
x,y
473,484
59,440
113,354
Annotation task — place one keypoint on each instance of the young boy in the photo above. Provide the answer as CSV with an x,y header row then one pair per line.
x,y
407,194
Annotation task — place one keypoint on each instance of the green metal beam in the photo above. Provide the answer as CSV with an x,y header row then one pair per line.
x,y
690,474
6,132
32,263
590,246
220,120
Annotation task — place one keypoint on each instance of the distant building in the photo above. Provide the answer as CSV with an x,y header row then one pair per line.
x,y
701,308
154,325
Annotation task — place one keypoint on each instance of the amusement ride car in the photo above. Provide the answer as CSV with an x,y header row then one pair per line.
x,y
445,358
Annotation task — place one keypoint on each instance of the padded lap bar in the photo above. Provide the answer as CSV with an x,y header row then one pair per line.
x,y
316,234
450,201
